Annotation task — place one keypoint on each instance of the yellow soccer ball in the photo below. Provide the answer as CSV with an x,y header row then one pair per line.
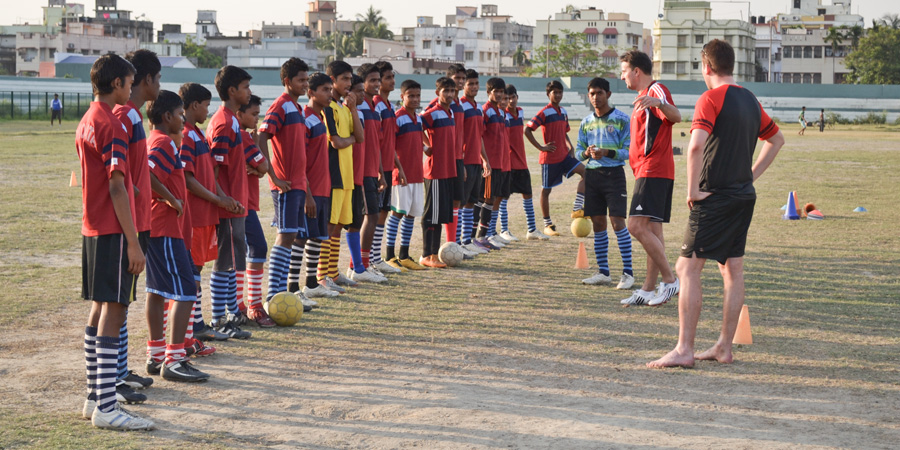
x,y
581,227
285,309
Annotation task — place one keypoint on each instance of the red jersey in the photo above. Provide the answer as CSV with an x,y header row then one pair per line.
x,y
317,171
224,137
495,144
459,118
650,154
555,123
514,130
102,145
197,159
359,153
285,123
442,137
388,132
371,121
250,153
165,164
409,147
474,128
131,117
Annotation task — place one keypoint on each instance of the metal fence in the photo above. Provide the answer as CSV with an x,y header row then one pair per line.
x,y
35,105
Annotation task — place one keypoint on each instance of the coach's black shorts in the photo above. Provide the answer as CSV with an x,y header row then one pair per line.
x,y
717,227
384,197
473,190
459,182
605,190
652,198
438,202
358,205
520,181
104,270
499,184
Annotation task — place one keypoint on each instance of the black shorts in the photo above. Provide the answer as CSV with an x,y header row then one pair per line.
x,y
717,227
652,198
499,184
317,227
55,114
257,247
144,241
358,205
384,196
372,196
520,181
104,270
438,202
459,182
473,190
605,190
231,237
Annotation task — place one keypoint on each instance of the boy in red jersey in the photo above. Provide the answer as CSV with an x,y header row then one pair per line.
x,y
557,154
651,160
224,137
496,185
169,272
519,175
475,161
145,89
111,254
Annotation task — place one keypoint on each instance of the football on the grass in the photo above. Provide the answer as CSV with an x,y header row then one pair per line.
x,y
285,308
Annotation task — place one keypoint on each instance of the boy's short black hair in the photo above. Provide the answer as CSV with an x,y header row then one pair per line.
x,y
455,69
444,83
191,93
292,67
338,68
166,102
145,63
495,83
318,80
409,84
367,69
254,101
384,67
555,84
56,95
598,82
107,69
356,79
471,74
511,90
230,77
638,60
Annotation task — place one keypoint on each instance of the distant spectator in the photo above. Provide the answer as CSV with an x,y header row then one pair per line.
x,y
821,120
56,108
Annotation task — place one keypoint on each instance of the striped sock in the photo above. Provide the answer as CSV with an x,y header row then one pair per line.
x,y
377,241
296,268
334,257
156,349
122,361
311,255
625,250
107,357
467,217
579,201
547,221
198,304
239,289
406,230
324,258
254,287
189,331
528,206
279,263
450,228
174,352
218,292
90,361
457,216
504,216
492,226
365,258
232,294
392,227
601,247
166,305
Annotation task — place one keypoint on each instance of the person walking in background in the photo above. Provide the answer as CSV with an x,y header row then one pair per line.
x,y
802,119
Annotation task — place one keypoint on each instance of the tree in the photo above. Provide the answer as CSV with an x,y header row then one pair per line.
x,y
854,33
877,58
205,58
890,21
569,57
835,37
371,24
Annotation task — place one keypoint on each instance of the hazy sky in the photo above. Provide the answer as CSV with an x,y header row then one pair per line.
x,y
236,15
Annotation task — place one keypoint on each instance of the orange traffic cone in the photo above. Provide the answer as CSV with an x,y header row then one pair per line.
x,y
581,259
742,335
73,182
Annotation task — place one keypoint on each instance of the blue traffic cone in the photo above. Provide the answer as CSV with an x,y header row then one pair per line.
x,y
791,212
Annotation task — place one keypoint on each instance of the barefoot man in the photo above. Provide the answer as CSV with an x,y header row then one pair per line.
x,y
728,119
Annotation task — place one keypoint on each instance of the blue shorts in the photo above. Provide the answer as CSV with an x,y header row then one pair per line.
x,y
169,271
552,174
256,239
317,227
289,216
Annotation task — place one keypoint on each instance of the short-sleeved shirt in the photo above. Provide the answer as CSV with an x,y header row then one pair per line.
x,y
339,122
131,117
734,120
409,147
254,157
388,132
459,118
197,159
371,121
651,138
284,121
555,126
515,132
474,128
102,145
317,155
442,137
223,134
612,131
495,136
164,163
359,155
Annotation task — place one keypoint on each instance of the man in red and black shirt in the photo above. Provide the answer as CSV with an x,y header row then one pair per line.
x,y
651,160
728,120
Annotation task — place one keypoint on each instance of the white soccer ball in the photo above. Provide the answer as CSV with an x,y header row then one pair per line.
x,y
450,254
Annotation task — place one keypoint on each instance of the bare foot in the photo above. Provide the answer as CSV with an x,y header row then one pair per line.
x,y
716,353
673,359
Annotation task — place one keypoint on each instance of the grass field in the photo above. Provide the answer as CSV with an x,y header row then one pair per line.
x,y
507,351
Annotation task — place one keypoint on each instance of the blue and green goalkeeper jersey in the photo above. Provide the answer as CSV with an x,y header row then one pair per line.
x,y
611,132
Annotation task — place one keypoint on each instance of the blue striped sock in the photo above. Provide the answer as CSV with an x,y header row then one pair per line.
x,y
467,215
90,361
579,201
232,294
504,216
601,248
218,292
198,304
624,238
528,206
122,365
392,227
547,221
107,359
406,230
279,263
492,227
355,251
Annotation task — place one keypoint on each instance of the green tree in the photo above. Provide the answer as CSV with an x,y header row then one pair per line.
x,y
835,37
370,24
854,33
877,58
890,21
205,58
569,57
